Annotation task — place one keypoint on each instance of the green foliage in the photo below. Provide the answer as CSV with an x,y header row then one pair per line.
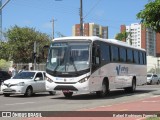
x,y
20,45
4,65
4,53
153,118
121,36
150,16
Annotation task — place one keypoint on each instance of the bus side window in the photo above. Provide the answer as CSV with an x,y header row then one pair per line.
x,y
97,55
105,53
136,57
129,56
115,54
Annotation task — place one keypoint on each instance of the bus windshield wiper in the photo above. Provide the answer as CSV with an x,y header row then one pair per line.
x,y
55,68
72,61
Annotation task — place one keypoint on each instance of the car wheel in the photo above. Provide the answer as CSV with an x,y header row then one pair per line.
x,y
68,94
151,82
52,92
6,94
158,82
29,92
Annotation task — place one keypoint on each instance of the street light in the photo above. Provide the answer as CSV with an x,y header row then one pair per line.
x,y
81,18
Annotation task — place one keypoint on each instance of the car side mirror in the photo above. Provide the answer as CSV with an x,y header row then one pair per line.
x,y
37,78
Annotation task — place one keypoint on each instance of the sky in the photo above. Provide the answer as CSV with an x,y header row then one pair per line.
x,y
39,13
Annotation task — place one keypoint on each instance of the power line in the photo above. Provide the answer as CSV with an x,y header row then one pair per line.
x,y
92,8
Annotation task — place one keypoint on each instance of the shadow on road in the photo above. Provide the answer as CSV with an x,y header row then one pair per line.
x,y
34,95
113,94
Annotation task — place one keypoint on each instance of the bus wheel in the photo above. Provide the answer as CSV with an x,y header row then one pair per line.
x,y
68,94
132,88
6,94
104,91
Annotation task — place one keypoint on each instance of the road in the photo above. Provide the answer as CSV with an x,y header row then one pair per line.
x,y
85,102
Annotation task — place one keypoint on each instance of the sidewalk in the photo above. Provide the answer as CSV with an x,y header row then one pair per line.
x,y
143,109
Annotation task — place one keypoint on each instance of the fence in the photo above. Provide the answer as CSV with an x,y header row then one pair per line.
x,y
41,66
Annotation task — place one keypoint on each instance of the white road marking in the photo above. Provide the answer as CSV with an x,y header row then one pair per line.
x,y
21,103
150,101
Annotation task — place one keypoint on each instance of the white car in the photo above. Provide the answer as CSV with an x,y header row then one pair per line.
x,y
152,79
26,82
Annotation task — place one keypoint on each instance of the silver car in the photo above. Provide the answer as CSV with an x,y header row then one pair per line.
x,y
152,79
26,82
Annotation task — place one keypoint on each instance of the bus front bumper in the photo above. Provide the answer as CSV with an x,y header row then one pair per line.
x,y
77,87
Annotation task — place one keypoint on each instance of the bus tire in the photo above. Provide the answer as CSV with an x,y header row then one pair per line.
x,y
132,88
104,91
6,94
68,94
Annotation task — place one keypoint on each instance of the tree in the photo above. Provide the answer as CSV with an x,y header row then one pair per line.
x,y
20,43
4,53
121,36
150,16
4,65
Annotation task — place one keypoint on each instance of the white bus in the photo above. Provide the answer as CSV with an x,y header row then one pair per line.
x,y
92,64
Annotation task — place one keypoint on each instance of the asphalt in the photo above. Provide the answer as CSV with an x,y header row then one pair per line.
x,y
134,110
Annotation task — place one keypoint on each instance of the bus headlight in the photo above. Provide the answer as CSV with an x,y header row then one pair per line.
x,y
83,80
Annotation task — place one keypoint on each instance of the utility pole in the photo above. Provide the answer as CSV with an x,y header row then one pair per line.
x,y
53,28
1,7
81,18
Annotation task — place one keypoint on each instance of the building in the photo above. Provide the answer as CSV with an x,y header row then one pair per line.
x,y
142,37
91,29
153,64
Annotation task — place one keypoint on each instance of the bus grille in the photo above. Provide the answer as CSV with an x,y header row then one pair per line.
x,y
65,82
59,87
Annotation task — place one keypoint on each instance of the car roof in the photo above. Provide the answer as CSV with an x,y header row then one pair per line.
x,y
34,71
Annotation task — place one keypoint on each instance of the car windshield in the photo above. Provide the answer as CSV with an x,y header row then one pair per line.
x,y
24,75
149,75
69,57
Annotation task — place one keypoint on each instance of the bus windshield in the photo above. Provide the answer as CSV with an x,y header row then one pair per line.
x,y
68,57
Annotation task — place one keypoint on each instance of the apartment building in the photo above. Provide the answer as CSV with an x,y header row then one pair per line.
x,y
91,29
142,37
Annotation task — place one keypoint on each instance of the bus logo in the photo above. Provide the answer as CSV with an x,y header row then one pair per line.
x,y
121,70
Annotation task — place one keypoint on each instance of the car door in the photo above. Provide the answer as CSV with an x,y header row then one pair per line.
x,y
155,78
40,83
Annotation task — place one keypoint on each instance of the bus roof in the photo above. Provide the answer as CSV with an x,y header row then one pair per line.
x,y
93,38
